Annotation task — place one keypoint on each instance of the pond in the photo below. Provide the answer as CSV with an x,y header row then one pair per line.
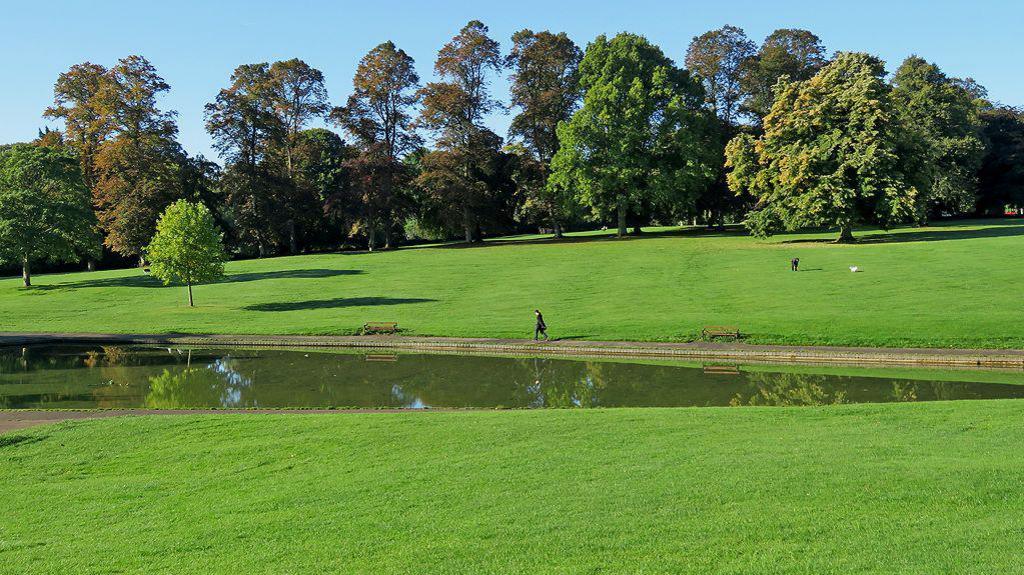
x,y
166,378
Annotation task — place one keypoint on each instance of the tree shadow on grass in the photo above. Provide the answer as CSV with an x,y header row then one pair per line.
x,y
11,440
938,233
289,274
148,281
334,303
605,236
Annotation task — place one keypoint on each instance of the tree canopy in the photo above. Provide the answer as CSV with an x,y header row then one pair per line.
x,y
455,174
641,137
829,156
187,247
940,119
545,88
778,134
45,212
378,114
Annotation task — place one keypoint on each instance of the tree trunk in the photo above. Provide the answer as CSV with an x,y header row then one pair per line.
x,y
387,237
142,261
845,234
293,244
26,273
622,218
467,222
371,235
190,304
636,230
90,265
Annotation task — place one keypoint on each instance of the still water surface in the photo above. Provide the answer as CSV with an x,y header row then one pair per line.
x,y
151,377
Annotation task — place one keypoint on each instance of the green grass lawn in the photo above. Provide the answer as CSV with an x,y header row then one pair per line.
x,y
908,488
954,284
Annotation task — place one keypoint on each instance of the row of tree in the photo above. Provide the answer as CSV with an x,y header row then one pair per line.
x,y
779,135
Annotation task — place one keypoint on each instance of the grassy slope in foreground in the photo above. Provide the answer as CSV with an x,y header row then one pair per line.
x,y
923,488
947,285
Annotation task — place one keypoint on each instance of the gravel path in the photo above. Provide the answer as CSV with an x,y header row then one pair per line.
x,y
739,352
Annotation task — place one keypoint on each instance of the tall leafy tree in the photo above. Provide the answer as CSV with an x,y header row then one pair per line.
x,y
86,123
940,117
246,130
298,97
791,53
454,109
718,57
135,166
829,156
45,207
378,114
322,178
641,138
545,88
187,247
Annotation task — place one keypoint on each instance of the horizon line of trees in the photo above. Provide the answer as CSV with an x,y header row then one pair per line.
x,y
779,136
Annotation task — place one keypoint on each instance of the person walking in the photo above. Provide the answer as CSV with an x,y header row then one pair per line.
x,y
794,264
541,327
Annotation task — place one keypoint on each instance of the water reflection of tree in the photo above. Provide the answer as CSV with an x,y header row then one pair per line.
x,y
788,389
216,385
907,391
111,356
561,384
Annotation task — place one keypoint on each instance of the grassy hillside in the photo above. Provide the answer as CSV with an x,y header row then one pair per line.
x,y
954,284
922,488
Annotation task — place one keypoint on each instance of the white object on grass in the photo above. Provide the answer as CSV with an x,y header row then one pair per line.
x,y
854,269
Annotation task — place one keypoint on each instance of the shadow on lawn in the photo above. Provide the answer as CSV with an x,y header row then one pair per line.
x,y
928,234
609,236
334,303
11,440
148,281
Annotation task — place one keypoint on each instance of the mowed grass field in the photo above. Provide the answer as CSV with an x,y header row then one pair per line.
x,y
951,284
905,488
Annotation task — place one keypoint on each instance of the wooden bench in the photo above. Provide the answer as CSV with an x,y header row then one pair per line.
x,y
721,370
713,331
380,327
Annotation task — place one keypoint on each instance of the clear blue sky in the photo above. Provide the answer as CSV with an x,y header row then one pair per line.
x,y
196,44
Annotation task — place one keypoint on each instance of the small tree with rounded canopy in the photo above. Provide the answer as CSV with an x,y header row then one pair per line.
x,y
187,247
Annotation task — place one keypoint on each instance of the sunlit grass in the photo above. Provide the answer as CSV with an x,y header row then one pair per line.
x,y
954,284
923,488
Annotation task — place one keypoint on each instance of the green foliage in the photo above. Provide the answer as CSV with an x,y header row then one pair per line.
x,y
545,88
718,58
135,164
641,138
456,174
793,54
378,114
829,156
187,246
940,121
45,209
